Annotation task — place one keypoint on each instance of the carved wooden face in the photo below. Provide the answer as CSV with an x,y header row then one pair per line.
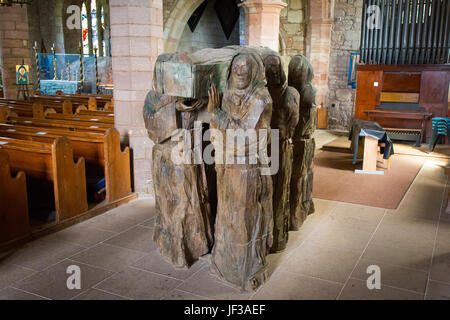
x,y
241,72
273,71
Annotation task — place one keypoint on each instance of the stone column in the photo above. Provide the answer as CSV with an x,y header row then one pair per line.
x,y
262,22
318,44
55,21
14,46
136,41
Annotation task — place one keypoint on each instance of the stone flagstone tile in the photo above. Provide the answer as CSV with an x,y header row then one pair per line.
x,y
140,210
357,290
137,238
438,291
414,234
149,223
52,282
394,276
413,258
424,198
440,267
82,235
207,285
108,257
289,286
154,262
94,294
323,207
42,253
182,295
10,273
111,221
334,235
14,294
356,216
443,236
138,284
322,262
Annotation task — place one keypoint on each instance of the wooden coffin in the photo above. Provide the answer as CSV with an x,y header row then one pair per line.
x,y
188,80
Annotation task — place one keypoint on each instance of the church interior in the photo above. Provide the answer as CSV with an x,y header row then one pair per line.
x,y
224,150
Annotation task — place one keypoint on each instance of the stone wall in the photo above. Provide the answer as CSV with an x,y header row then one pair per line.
x,y
136,40
292,25
345,38
208,33
168,6
14,46
293,28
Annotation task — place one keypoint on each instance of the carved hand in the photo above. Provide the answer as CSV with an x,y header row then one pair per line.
x,y
214,98
182,106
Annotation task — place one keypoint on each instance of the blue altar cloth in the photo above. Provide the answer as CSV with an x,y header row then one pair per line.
x,y
51,86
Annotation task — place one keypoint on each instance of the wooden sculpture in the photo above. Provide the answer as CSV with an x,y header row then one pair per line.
x,y
244,222
183,225
300,77
284,118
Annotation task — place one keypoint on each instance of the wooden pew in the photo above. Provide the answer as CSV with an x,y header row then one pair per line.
x,y
96,113
52,162
6,116
96,119
96,100
102,152
38,112
14,222
26,109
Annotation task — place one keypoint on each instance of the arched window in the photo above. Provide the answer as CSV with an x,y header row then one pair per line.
x,y
93,27
85,29
94,24
102,31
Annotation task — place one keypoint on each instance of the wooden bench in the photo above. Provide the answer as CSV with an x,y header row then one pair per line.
x,y
92,101
52,162
14,221
9,116
102,152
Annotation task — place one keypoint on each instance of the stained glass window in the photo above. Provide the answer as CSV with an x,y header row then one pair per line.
x,y
102,20
84,27
94,24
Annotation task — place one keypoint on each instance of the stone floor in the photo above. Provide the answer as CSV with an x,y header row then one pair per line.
x,y
326,259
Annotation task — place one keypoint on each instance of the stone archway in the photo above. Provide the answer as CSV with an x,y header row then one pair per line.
x,y
176,23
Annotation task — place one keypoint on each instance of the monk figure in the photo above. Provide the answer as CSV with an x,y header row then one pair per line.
x,y
284,118
183,224
300,77
244,222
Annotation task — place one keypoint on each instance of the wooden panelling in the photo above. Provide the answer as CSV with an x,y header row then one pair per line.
x,y
13,202
399,97
368,92
397,85
434,88
322,118
401,82
414,68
